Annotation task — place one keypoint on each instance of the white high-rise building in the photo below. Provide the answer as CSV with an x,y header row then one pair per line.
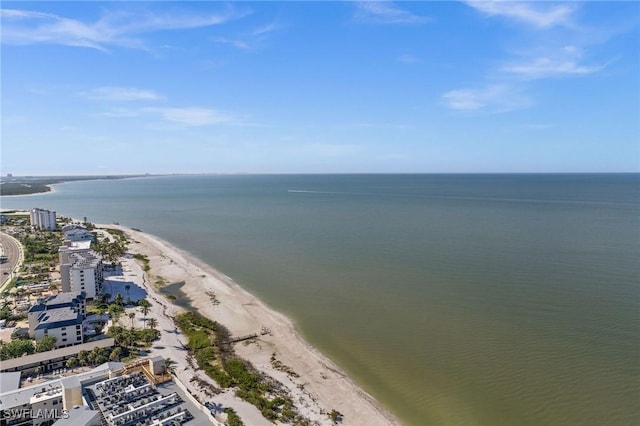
x,y
43,219
82,271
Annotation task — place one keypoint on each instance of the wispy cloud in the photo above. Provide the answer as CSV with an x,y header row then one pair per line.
x,y
539,14
565,61
183,116
494,98
386,12
194,116
113,28
121,94
237,43
547,67
249,40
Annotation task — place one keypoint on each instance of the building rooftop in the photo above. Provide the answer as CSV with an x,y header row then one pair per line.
x,y
22,396
80,416
131,399
72,226
9,381
60,300
59,317
84,259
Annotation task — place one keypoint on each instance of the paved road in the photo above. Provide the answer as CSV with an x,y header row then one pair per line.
x,y
11,249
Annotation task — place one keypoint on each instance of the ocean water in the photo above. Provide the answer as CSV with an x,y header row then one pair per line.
x,y
453,299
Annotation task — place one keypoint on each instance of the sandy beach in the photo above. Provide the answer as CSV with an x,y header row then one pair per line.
x,y
318,385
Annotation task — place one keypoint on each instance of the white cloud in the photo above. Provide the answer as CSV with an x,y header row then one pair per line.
x,y
121,94
119,28
496,98
562,61
193,116
186,116
23,14
547,67
385,12
537,14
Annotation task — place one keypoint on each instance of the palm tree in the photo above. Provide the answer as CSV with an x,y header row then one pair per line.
x,y
118,299
145,310
153,323
101,310
170,365
129,338
132,315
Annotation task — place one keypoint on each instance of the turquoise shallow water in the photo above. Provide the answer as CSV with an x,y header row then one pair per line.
x,y
453,299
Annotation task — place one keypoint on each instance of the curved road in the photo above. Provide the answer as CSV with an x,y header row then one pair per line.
x,y
10,248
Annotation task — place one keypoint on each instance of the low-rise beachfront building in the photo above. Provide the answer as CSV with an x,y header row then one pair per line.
x,y
78,234
74,301
43,219
65,324
82,271
60,316
50,361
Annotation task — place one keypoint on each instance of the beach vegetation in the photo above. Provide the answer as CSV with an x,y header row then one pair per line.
x,y
111,251
335,416
129,339
152,323
232,417
132,316
144,260
209,345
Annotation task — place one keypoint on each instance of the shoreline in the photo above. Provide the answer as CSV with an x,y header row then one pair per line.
x,y
318,385
31,194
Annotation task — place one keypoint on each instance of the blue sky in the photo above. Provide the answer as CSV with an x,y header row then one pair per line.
x,y
320,87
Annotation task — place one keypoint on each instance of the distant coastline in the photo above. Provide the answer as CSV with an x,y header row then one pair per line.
x,y
27,185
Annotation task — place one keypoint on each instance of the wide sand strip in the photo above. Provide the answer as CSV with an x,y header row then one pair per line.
x,y
319,387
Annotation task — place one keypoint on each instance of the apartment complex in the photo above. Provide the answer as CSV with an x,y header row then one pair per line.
x,y
81,271
74,232
43,219
60,316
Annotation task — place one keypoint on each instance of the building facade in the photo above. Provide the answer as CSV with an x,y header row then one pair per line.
x,y
43,219
82,271
60,316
